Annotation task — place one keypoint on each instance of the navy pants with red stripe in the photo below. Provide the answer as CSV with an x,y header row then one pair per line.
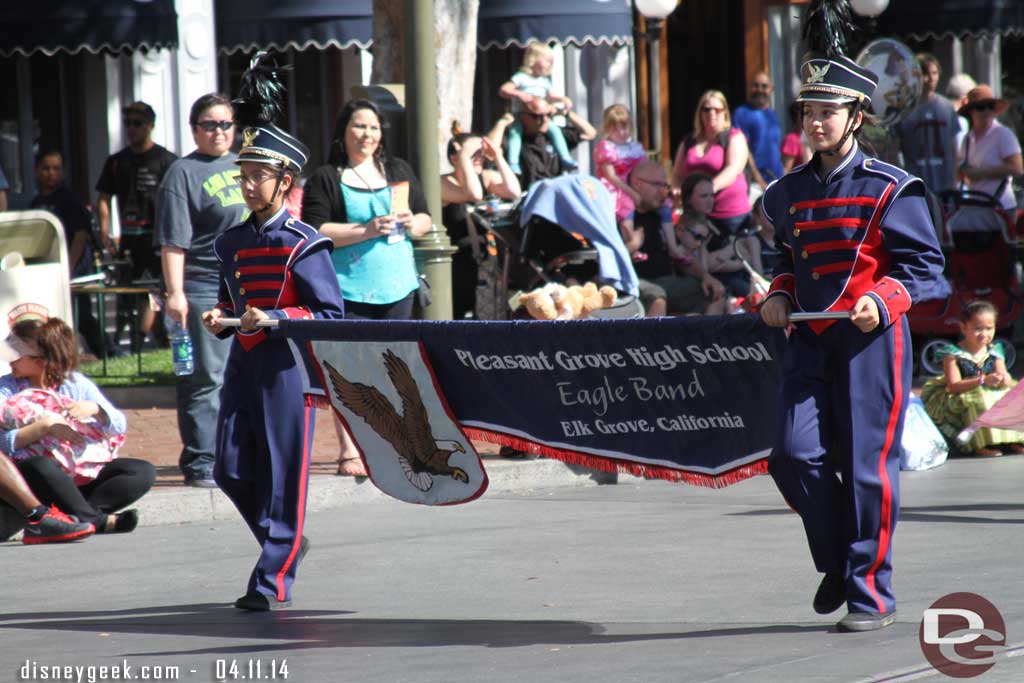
x,y
843,399
264,441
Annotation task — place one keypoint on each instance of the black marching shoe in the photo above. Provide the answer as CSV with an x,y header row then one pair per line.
x,y
866,621
831,594
258,602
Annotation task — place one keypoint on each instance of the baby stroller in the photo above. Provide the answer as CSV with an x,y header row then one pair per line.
x,y
563,231
982,249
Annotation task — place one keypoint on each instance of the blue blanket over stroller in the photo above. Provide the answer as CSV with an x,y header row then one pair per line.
x,y
580,203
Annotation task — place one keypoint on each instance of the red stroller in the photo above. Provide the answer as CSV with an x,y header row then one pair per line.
x,y
982,249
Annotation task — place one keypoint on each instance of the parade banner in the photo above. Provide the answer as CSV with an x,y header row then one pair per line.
x,y
1007,413
686,399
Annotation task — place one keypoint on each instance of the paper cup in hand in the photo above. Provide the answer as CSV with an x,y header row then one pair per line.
x,y
399,197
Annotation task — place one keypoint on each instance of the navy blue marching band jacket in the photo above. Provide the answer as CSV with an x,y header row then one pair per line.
x,y
269,267
865,229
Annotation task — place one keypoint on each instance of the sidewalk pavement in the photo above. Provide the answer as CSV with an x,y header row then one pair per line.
x,y
153,436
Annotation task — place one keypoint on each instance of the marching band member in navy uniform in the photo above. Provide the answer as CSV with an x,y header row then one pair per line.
x,y
272,267
856,237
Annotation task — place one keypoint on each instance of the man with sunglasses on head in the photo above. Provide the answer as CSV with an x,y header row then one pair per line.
x,y
199,199
538,158
133,175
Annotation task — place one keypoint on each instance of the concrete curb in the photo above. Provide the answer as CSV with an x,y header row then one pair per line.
x,y
182,505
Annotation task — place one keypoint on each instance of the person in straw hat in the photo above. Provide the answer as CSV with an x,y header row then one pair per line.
x,y
272,267
857,241
991,153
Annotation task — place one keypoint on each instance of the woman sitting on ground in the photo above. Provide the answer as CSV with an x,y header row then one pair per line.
x,y
63,433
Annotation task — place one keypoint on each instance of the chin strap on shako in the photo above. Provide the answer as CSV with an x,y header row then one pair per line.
x,y
857,107
277,186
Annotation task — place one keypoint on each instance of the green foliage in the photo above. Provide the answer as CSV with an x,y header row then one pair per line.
x,y
157,370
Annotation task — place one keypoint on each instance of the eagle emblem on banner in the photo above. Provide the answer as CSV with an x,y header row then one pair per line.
x,y
397,435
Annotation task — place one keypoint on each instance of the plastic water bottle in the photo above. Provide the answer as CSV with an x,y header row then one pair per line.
x,y
181,347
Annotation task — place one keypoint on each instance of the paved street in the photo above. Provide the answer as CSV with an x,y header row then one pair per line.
x,y
644,581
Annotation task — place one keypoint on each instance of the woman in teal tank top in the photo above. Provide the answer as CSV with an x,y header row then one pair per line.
x,y
369,204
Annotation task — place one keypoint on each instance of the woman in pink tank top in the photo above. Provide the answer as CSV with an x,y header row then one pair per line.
x,y
720,151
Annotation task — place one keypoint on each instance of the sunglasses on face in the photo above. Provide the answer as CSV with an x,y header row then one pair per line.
x,y
988,106
760,86
538,117
697,236
135,123
653,183
210,126
712,110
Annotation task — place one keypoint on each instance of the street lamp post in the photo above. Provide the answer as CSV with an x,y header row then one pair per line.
x,y
654,13
433,251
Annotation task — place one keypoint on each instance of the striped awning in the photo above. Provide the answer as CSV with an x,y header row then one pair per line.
x,y
960,18
502,23
51,26
295,24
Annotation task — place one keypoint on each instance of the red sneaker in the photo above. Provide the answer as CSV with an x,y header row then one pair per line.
x,y
56,527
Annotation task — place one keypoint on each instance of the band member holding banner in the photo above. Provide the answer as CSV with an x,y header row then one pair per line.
x,y
272,267
858,247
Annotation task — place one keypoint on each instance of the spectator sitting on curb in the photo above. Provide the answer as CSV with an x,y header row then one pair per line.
x,y
679,265
20,509
45,443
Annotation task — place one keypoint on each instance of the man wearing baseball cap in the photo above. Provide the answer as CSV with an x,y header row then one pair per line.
x,y
132,175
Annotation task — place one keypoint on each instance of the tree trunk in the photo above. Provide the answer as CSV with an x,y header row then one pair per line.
x,y
456,61
388,42
455,58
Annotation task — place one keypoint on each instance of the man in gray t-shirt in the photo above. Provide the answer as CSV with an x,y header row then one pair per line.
x,y
928,133
198,199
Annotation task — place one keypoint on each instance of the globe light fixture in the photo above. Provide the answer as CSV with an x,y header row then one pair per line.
x,y
655,9
869,8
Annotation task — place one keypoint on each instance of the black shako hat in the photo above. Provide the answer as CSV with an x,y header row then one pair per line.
x,y
835,79
827,74
258,106
267,144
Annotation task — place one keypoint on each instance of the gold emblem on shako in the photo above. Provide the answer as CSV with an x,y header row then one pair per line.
x,y
249,136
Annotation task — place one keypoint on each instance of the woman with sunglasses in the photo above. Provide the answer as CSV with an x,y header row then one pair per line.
x,y
991,153
468,183
720,151
198,199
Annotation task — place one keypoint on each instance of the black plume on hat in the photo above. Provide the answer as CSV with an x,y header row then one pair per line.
x,y
258,106
827,74
826,27
261,93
